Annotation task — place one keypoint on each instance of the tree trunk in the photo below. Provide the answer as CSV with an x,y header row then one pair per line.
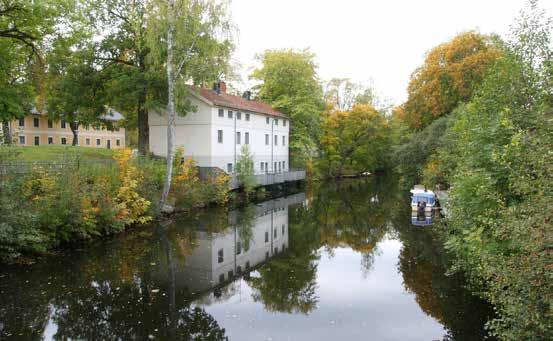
x,y
6,133
74,129
142,124
142,114
170,107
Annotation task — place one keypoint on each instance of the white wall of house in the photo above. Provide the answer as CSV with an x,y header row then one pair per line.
x,y
198,133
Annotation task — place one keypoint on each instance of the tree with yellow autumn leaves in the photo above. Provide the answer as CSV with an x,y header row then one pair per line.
x,y
451,73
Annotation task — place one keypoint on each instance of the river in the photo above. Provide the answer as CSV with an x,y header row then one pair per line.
x,y
341,261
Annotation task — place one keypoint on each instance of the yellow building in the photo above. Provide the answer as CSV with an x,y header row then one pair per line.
x,y
36,129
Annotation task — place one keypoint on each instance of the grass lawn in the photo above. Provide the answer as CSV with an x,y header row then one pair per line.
x,y
54,153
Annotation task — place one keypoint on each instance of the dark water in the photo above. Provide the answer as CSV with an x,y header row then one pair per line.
x,y
342,262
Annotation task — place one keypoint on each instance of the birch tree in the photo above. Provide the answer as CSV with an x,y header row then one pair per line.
x,y
193,38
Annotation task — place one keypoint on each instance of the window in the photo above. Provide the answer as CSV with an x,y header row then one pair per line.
x,y
267,255
267,139
36,122
247,117
275,233
266,166
247,138
262,164
50,124
283,140
87,141
98,142
229,167
37,140
274,167
284,165
229,114
63,140
247,264
221,278
230,274
282,229
221,112
266,237
238,137
116,128
63,124
220,256
276,121
238,115
276,140
284,123
118,142
220,136
238,247
238,269
50,140
267,120
22,139
22,122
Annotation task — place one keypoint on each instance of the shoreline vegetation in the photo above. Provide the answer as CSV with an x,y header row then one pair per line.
x,y
44,206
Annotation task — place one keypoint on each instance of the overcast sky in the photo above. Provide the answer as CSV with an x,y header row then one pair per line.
x,y
379,40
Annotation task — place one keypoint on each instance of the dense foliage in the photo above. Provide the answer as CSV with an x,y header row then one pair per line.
x,y
290,84
449,75
45,206
353,142
494,153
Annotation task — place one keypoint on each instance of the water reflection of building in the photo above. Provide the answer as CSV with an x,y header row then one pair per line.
x,y
252,237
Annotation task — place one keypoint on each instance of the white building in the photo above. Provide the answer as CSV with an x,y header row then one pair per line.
x,y
215,133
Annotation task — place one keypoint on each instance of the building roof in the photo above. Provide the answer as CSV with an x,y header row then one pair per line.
x,y
112,115
236,102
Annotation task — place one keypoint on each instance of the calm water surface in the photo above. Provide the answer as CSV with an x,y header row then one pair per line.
x,y
345,261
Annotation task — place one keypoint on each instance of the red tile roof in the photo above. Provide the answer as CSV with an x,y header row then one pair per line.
x,y
236,102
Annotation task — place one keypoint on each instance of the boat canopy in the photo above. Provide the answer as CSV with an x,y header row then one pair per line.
x,y
427,197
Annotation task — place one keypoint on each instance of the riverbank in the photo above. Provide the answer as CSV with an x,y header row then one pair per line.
x,y
44,207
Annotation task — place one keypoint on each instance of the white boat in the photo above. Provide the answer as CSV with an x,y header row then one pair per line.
x,y
422,199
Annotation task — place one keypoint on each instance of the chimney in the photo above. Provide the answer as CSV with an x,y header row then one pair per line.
x,y
247,95
223,87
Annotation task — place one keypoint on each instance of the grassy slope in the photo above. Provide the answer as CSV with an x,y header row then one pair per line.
x,y
53,153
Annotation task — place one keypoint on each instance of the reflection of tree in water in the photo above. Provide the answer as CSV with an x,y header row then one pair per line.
x,y
340,215
423,263
121,289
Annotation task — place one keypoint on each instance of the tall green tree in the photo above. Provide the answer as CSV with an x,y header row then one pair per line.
x,y
76,93
135,81
289,82
500,221
24,25
196,48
